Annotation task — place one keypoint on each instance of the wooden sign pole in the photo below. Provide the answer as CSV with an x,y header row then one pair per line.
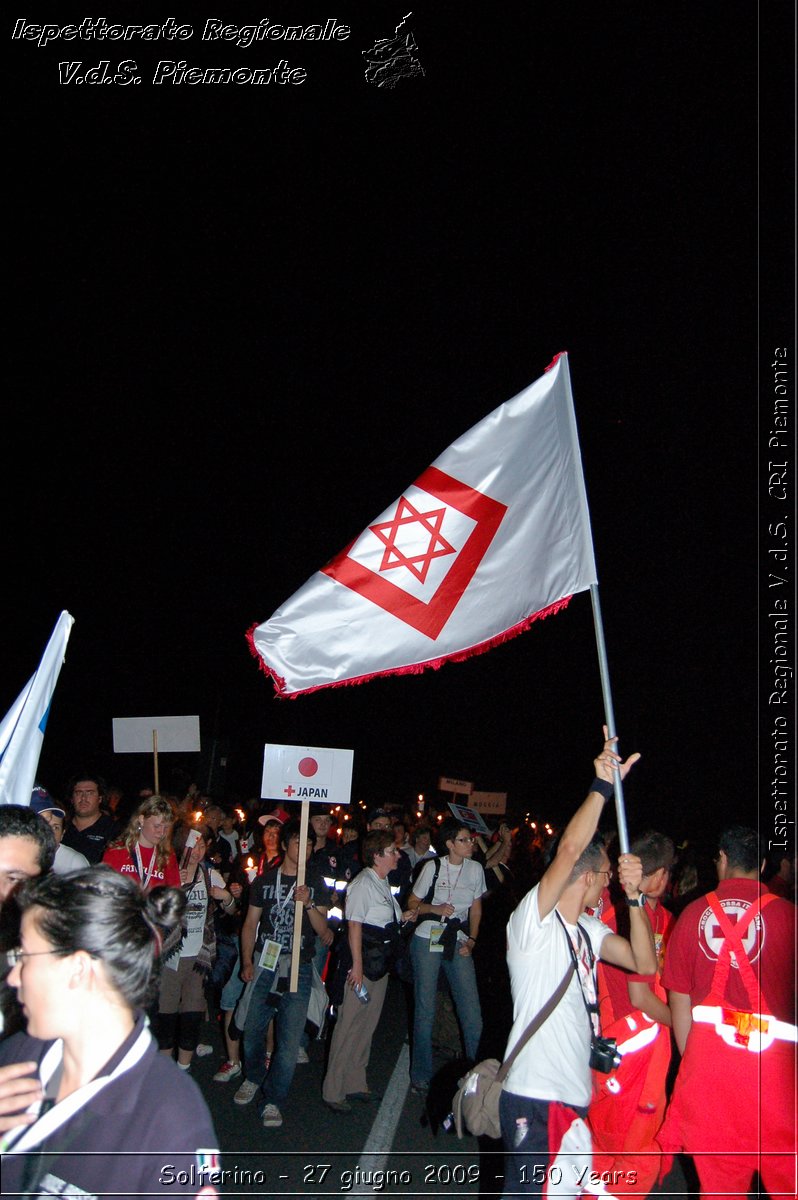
x,y
298,908
155,759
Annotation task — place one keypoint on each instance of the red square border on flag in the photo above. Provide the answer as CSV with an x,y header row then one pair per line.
x,y
427,615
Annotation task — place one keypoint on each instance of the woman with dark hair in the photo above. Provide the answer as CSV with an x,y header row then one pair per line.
x,y
447,901
182,1001
86,969
144,849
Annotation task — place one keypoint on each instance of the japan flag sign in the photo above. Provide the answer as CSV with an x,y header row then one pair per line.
x,y
318,774
491,537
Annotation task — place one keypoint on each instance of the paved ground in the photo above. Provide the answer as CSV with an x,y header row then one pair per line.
x,y
317,1152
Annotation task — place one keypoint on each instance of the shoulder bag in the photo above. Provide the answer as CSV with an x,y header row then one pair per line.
x,y
476,1102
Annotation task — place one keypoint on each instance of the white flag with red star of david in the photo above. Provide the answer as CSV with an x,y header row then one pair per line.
x,y
491,537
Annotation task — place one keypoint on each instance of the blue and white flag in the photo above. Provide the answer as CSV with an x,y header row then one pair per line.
x,y
22,728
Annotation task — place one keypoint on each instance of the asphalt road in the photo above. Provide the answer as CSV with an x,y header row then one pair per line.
x,y
317,1152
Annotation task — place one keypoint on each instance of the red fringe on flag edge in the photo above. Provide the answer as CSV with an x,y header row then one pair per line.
x,y
415,668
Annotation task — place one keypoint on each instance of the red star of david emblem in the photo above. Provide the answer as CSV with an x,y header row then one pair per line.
x,y
407,516
430,615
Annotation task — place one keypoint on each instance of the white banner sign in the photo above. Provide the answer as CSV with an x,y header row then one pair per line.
x,y
314,773
489,802
470,818
455,785
133,735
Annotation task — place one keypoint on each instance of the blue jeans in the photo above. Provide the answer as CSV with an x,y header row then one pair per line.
x,y
290,1009
463,984
233,988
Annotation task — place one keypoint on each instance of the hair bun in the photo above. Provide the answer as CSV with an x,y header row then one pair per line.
x,y
165,906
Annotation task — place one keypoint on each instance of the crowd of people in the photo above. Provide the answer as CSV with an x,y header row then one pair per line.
x,y
175,924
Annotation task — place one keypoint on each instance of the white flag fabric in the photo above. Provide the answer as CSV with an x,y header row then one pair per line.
x,y
22,729
494,535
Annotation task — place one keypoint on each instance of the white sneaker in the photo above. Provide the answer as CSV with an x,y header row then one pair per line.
x,y
227,1071
272,1117
203,1049
247,1092
302,1056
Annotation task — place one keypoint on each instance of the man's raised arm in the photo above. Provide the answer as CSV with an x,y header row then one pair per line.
x,y
582,825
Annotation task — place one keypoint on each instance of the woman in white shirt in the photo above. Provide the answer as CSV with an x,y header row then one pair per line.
x,y
181,1001
373,920
446,933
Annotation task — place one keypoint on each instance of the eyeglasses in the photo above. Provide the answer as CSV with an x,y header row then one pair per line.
x,y
608,873
18,956
465,839
85,792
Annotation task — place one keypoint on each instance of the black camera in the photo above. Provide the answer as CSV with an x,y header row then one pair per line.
x,y
604,1054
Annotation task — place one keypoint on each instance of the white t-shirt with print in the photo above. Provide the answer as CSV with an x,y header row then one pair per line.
x,y
460,886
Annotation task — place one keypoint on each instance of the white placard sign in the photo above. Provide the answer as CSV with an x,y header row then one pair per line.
x,y
315,773
489,802
133,735
461,786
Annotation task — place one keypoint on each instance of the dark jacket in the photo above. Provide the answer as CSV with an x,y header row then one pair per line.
x,y
151,1108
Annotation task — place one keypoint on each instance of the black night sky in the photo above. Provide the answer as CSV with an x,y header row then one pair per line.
x,y
244,318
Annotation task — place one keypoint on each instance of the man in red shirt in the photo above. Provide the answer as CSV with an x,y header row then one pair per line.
x,y
628,1105
730,976
781,879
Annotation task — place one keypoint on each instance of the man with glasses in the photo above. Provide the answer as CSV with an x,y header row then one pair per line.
x,y
90,829
551,940
628,1104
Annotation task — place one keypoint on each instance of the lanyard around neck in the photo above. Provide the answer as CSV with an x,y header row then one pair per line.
x,y
145,880
452,886
591,1009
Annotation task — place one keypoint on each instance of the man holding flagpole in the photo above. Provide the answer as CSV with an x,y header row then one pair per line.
x,y
547,1090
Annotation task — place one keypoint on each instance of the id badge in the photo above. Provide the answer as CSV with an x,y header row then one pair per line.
x,y
270,955
435,935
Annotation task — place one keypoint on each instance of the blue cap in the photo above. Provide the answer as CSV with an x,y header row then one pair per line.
x,y
41,801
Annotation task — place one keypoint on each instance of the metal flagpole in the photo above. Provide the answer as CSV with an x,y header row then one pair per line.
x,y
609,716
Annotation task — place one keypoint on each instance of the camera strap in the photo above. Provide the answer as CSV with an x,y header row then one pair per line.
x,y
592,1009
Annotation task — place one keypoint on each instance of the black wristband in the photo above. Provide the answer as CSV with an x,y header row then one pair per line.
x,y
638,902
603,788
